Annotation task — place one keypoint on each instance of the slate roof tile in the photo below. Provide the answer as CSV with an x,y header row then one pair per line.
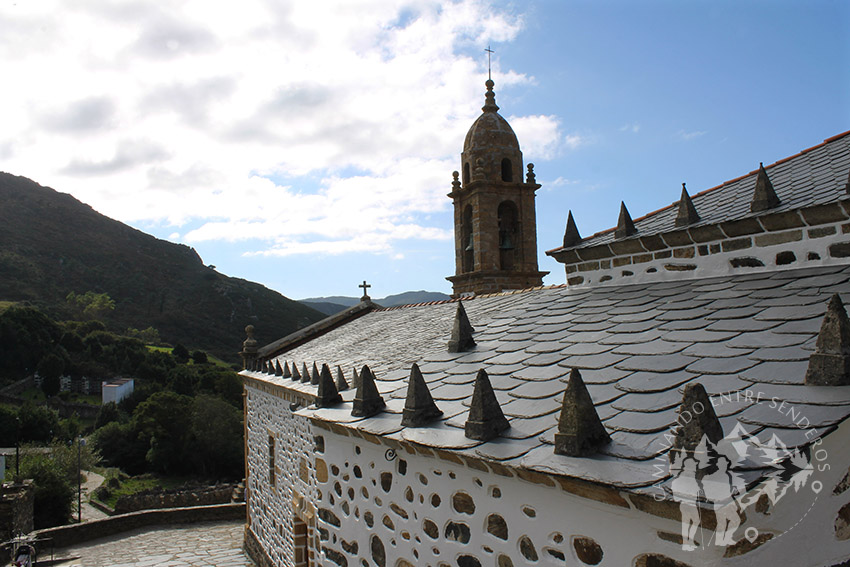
x,y
634,378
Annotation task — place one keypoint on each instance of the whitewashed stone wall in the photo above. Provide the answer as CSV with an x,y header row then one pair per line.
x,y
273,511
394,510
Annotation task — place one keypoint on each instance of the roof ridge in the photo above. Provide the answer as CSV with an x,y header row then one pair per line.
x,y
725,183
471,297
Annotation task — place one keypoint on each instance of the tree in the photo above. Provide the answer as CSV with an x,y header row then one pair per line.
x,y
38,423
91,305
26,336
162,422
50,368
107,413
217,438
180,353
53,494
199,357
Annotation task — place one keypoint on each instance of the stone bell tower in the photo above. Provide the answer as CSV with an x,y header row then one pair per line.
x,y
495,221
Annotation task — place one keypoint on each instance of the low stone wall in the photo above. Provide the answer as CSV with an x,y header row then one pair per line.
x,y
16,508
64,536
175,498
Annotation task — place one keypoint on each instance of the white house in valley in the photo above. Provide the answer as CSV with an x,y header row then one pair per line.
x,y
681,401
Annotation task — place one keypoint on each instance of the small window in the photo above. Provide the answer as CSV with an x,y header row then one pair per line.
x,y
466,242
271,461
507,170
508,234
465,173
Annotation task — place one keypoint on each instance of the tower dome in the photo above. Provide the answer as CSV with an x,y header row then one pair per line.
x,y
491,145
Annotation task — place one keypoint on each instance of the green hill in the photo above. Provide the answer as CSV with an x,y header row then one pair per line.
x,y
51,244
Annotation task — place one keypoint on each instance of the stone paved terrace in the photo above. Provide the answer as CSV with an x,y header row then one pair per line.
x,y
216,544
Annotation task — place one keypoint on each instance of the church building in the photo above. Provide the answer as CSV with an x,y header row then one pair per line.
x,y
681,401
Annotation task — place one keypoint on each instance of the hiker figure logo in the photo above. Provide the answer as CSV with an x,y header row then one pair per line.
x,y
709,477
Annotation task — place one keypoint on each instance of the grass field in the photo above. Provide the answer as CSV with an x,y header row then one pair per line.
x,y
211,358
4,305
123,485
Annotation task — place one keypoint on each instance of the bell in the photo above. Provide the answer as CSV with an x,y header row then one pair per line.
x,y
469,246
507,243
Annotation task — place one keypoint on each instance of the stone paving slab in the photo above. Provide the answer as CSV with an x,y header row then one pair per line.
x,y
211,544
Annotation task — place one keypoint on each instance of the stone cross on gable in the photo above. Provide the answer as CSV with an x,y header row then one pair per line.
x,y
365,287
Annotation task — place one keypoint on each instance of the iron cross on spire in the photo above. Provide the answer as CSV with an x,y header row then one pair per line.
x,y
365,286
489,51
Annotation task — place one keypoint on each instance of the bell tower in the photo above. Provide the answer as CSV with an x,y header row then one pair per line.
x,y
495,221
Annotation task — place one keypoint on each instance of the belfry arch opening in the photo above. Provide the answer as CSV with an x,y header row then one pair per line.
x,y
466,242
507,170
508,235
466,173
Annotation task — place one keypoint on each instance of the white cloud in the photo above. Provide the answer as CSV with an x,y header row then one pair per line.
x,y
634,128
688,136
252,116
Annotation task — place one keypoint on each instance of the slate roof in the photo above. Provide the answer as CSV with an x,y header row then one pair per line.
x,y
637,346
815,176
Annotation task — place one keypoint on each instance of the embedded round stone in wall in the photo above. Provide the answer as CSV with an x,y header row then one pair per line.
x,y
457,531
842,523
321,471
403,563
408,494
526,547
430,528
398,510
497,526
435,500
468,561
334,470
463,503
587,550
504,561
357,472
379,554
529,511
423,479
329,517
496,492
402,467
370,520
386,481
388,522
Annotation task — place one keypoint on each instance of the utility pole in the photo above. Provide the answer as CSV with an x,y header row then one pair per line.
x,y
80,443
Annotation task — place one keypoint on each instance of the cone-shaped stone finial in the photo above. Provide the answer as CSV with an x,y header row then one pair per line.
x,y
687,212
764,197
314,378
367,400
267,367
847,186
625,226
829,365
571,235
580,431
278,371
486,419
327,394
355,378
419,407
696,421
341,384
286,372
305,374
296,376
461,340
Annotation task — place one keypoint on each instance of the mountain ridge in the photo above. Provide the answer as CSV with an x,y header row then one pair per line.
x,y
52,244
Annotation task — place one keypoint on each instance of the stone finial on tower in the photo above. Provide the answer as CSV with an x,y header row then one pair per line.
x,y
267,367
341,384
296,376
829,365
687,212
367,400
580,431
571,235
764,196
419,406
455,181
327,394
314,377
530,178
461,339
625,226
489,98
696,421
278,371
249,349
286,372
486,419
305,374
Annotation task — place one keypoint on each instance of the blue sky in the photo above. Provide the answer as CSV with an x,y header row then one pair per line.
x,y
309,147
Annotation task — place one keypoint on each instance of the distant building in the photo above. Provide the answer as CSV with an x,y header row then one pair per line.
x,y
682,401
116,390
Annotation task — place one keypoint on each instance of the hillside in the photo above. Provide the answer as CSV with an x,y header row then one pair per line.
x,y
335,303
52,244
